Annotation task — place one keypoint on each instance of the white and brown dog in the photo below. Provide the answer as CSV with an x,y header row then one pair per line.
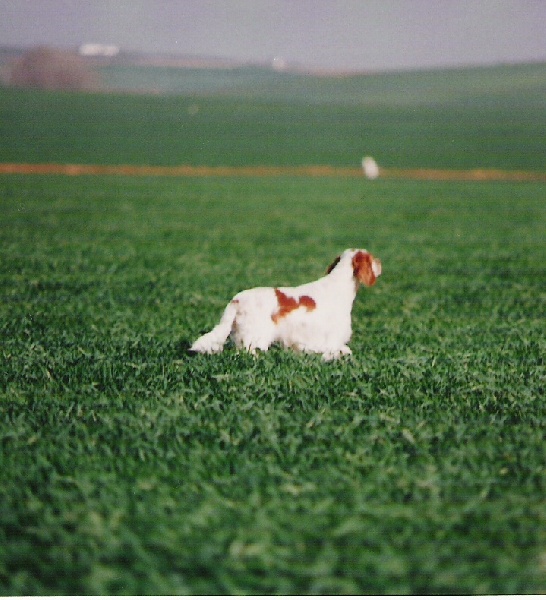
x,y
313,317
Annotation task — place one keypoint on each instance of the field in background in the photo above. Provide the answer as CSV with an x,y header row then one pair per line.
x,y
468,119
478,85
130,467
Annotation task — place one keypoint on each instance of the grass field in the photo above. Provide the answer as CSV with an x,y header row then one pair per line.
x,y
130,467
467,119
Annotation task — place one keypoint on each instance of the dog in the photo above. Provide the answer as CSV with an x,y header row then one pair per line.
x,y
314,317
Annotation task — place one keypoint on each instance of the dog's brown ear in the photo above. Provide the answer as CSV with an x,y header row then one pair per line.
x,y
333,265
362,268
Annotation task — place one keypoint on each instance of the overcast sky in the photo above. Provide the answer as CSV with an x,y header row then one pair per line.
x,y
331,34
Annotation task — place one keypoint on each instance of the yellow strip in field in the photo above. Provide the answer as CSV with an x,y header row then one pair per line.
x,y
267,171
177,171
462,175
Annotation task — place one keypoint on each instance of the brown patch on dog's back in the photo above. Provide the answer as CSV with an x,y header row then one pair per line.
x,y
308,303
287,304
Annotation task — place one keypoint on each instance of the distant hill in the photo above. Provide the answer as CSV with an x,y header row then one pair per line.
x,y
474,118
164,74
475,85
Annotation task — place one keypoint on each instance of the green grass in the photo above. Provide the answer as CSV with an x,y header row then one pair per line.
x,y
416,466
130,467
456,119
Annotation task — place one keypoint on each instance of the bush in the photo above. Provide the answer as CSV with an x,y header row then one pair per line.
x,y
51,69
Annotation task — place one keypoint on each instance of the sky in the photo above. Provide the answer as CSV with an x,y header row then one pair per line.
x,y
346,35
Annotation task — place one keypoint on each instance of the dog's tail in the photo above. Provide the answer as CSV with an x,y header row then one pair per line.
x,y
214,340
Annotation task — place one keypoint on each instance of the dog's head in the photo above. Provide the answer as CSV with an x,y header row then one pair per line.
x,y
366,268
